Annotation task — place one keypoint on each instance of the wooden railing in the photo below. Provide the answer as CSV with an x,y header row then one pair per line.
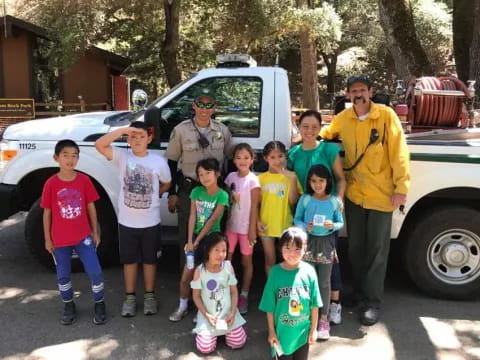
x,y
57,108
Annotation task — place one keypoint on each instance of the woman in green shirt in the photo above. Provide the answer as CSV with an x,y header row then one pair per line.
x,y
312,151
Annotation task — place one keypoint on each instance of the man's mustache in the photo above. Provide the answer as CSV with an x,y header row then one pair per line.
x,y
359,98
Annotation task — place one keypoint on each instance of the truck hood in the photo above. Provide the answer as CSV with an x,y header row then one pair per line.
x,y
76,127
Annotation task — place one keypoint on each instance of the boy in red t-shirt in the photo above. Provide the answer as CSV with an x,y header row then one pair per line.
x,y
70,223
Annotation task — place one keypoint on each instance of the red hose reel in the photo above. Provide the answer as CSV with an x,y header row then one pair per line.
x,y
436,102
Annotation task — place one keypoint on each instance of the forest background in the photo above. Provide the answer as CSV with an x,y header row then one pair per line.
x,y
319,42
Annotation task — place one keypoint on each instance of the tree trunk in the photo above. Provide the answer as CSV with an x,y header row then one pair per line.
x,y
462,25
308,56
331,63
169,54
475,48
396,19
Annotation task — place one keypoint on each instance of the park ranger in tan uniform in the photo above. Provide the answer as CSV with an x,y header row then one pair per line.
x,y
191,141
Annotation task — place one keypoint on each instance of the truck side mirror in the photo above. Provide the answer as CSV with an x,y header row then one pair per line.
x,y
139,98
152,119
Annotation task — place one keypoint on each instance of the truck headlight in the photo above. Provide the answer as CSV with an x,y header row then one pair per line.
x,y
8,150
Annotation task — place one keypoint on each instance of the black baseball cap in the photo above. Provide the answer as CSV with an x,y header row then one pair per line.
x,y
362,78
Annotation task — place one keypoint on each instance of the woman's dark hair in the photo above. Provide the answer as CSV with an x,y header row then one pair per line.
x,y
293,236
243,146
274,145
210,164
313,113
322,172
209,243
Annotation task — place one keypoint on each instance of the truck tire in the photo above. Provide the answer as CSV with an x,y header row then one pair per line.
x,y
442,253
107,251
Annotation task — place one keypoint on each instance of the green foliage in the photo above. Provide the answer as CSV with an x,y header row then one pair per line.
x,y
322,23
433,25
266,29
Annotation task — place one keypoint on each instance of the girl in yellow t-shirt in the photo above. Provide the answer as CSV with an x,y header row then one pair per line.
x,y
279,190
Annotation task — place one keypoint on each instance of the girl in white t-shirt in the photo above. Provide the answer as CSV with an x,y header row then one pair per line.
x,y
215,294
241,225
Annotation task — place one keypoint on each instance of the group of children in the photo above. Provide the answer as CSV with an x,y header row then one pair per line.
x,y
257,207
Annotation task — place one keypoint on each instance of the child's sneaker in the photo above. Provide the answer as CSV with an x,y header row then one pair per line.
x,y
149,304
335,313
178,314
323,330
129,307
69,313
242,304
100,314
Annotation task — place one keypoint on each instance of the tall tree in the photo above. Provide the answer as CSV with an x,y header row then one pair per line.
x,y
475,48
171,44
462,24
396,19
308,54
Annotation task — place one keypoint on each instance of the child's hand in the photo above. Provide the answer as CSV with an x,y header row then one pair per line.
x,y
252,238
173,203
310,226
229,319
189,246
96,239
211,319
312,336
272,339
129,131
328,224
195,243
49,245
261,228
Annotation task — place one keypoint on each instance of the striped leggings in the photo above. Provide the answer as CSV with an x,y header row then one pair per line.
x,y
234,339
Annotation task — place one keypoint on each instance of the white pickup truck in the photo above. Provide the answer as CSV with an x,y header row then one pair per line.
x,y
439,232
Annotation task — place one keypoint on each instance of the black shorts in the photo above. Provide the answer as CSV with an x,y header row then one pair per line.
x,y
139,245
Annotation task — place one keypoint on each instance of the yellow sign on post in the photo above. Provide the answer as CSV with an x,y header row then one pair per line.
x,y
17,108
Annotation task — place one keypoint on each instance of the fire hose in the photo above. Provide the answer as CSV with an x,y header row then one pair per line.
x,y
431,108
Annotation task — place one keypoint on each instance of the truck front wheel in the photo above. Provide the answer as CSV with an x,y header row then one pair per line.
x,y
443,253
107,251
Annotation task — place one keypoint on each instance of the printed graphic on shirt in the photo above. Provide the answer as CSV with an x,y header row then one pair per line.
x,y
70,203
294,306
216,294
204,210
278,189
137,186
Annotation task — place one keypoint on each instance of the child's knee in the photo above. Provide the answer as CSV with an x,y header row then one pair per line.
x,y
237,338
206,344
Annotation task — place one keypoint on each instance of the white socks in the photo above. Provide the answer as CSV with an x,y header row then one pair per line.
x,y
183,304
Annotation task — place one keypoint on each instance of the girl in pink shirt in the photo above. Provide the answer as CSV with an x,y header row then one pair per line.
x,y
241,225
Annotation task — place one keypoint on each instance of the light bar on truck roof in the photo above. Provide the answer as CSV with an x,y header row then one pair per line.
x,y
224,59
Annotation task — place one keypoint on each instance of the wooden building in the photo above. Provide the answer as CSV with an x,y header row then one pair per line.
x,y
95,77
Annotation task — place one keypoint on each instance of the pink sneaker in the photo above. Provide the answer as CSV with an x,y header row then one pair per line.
x,y
242,304
323,330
